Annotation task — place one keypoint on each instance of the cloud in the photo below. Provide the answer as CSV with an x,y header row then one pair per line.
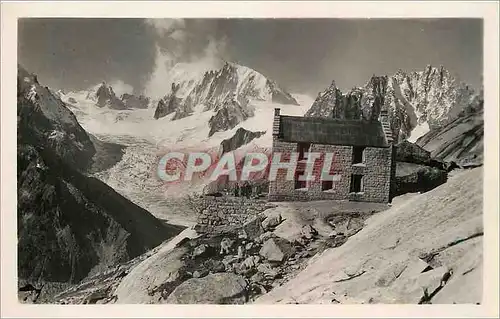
x,y
120,87
165,26
185,49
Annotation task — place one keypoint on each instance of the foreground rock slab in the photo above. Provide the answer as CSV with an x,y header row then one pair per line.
x,y
220,288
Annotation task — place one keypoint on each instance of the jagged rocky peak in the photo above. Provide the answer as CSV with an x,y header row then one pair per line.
x,y
105,96
169,103
231,81
431,97
326,102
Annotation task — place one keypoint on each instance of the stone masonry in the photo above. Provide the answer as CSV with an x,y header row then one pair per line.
x,y
216,214
377,171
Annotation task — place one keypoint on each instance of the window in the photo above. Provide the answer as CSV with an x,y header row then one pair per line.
x,y
358,155
298,183
356,183
327,185
303,149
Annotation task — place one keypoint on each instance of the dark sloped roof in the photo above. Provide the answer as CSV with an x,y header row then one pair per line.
x,y
332,131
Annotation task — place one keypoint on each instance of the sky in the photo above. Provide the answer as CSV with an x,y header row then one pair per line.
x,y
302,55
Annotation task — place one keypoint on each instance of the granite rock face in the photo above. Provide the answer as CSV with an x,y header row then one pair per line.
x,y
44,120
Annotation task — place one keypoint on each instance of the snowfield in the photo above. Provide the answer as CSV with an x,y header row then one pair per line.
x,y
190,132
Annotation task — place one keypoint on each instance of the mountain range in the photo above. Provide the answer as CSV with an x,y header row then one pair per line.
x,y
227,91
419,104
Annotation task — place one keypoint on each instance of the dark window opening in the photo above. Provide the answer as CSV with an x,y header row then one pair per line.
x,y
327,185
358,155
356,183
298,183
303,149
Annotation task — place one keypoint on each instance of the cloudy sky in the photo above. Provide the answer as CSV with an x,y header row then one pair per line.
x,y
303,55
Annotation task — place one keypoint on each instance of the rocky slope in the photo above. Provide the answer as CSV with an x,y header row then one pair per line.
x,y
227,89
69,225
425,249
44,120
461,140
230,267
416,101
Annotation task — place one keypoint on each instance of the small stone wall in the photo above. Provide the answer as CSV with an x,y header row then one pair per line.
x,y
217,214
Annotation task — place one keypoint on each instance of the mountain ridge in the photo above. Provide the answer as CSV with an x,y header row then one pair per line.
x,y
415,100
232,86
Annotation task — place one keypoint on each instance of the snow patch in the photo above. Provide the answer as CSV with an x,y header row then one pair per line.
x,y
419,131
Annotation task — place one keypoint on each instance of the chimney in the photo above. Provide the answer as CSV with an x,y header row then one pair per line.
x,y
276,122
386,125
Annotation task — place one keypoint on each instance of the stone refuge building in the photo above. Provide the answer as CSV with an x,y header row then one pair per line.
x,y
363,163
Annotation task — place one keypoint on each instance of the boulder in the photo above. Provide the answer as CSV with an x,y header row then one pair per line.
x,y
200,273
247,265
253,227
241,252
146,282
251,262
220,288
214,266
308,231
265,236
257,277
271,221
267,270
225,245
276,249
200,250
418,179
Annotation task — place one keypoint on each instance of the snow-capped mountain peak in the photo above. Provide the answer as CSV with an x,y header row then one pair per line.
x,y
229,89
416,101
